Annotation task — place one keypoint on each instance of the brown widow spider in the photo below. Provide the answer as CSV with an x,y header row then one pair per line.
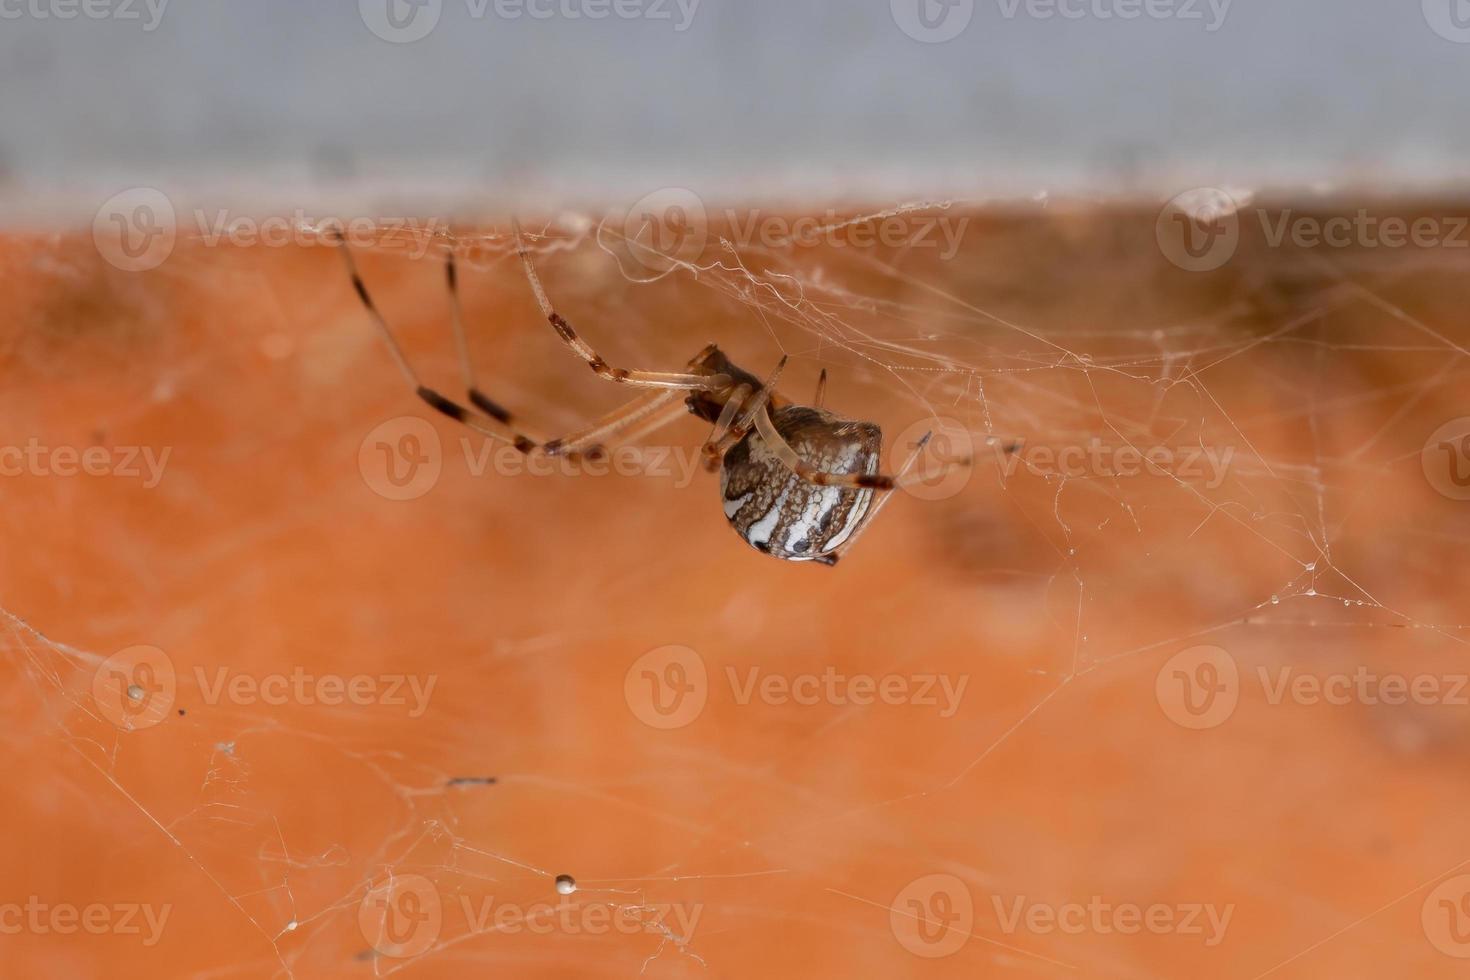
x,y
798,482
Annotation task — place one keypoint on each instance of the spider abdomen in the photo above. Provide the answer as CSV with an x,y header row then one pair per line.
x,y
783,515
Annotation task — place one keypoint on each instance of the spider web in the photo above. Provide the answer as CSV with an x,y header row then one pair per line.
x,y
764,834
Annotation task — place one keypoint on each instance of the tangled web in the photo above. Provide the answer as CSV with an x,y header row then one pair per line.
x,y
338,733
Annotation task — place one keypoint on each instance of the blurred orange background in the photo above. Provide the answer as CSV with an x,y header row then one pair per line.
x,y
1135,725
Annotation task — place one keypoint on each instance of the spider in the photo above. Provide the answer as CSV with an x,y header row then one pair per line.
x,y
797,482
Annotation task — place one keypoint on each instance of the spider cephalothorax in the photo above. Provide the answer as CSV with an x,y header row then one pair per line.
x,y
797,482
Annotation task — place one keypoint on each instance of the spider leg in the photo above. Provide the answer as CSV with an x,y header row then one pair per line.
x,y
490,424
712,451
642,379
778,445
477,397
725,434
633,413
821,389
653,422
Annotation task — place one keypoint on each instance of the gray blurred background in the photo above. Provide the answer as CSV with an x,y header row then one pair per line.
x,y
459,102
